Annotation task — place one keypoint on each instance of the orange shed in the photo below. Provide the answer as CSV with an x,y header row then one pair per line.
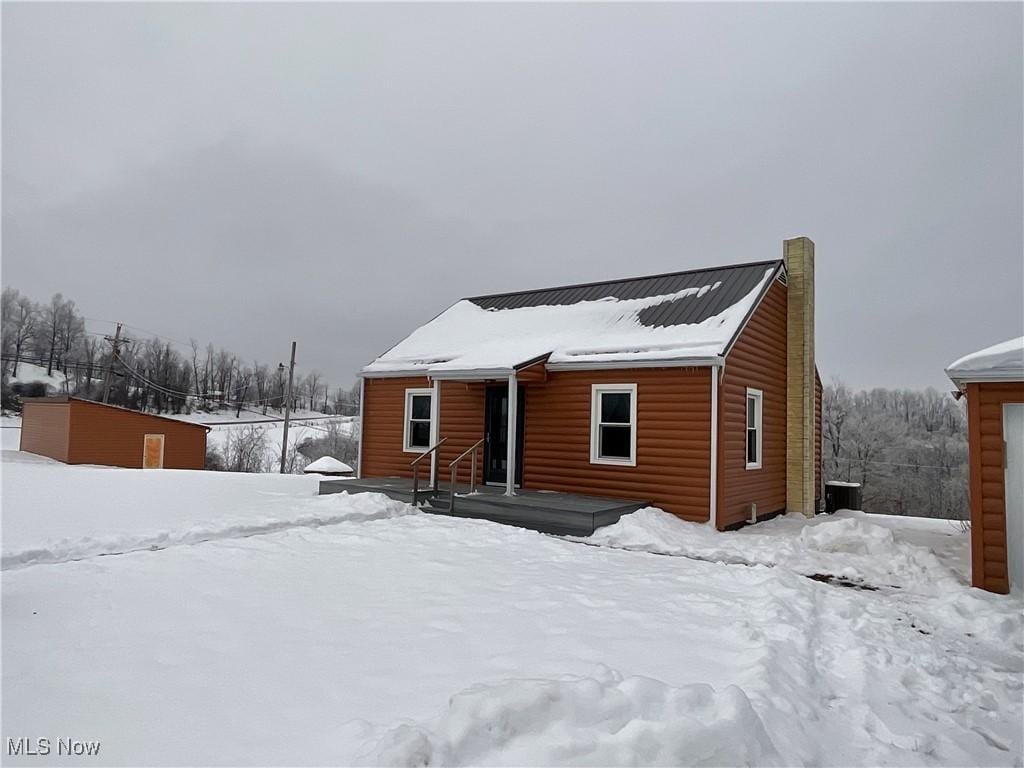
x,y
78,431
992,379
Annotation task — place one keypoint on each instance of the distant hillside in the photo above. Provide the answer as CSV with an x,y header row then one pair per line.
x,y
48,347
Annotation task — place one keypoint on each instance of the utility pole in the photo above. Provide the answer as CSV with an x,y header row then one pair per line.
x,y
287,409
116,348
241,400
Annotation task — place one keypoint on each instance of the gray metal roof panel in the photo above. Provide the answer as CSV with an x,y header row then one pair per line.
x,y
736,282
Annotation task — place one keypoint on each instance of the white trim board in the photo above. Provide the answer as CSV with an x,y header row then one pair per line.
x,y
409,394
596,391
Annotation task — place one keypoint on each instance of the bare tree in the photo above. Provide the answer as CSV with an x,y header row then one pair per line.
x,y
245,449
908,449
20,318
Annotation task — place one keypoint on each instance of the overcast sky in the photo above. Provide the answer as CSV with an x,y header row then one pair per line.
x,y
339,174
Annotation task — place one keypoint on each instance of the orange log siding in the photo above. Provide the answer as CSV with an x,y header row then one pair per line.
x,y
462,422
757,360
987,478
673,434
383,427
673,447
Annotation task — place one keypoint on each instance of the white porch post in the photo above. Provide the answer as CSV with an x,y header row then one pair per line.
x,y
510,463
713,500
435,427
362,409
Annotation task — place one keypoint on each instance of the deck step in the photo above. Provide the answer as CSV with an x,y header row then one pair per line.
x,y
557,513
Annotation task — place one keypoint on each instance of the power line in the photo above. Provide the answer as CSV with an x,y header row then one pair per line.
x,y
889,463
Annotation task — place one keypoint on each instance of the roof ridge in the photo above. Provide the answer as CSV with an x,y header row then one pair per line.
x,y
620,280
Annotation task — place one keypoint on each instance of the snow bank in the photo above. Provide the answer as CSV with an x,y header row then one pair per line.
x,y
53,512
847,546
1003,360
606,719
467,336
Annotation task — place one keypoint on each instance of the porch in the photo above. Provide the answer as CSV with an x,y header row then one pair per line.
x,y
545,511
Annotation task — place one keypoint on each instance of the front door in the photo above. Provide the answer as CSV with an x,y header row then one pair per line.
x,y
496,435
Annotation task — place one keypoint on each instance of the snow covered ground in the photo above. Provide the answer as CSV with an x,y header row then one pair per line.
x,y
10,432
273,627
56,382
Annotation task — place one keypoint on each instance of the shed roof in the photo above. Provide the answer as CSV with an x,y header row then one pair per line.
x,y
692,315
72,398
1000,362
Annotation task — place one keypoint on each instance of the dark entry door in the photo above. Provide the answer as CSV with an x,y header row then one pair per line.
x,y
496,435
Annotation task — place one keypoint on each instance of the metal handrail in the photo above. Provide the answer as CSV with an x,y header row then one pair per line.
x,y
454,467
415,464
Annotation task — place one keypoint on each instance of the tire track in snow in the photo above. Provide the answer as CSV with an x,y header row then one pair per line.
x,y
84,549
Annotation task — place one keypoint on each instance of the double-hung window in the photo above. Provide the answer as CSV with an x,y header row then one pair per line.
x,y
417,420
755,399
613,424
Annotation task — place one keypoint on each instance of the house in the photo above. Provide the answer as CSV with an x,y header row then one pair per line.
x,y
78,431
695,391
992,380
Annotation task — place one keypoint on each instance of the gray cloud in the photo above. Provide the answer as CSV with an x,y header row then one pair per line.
x,y
340,173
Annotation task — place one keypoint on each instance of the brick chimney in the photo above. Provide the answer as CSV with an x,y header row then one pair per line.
x,y
800,492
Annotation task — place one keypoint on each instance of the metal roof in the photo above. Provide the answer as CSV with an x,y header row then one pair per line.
x,y
735,282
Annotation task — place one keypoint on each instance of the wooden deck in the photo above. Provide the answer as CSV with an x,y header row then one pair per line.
x,y
545,511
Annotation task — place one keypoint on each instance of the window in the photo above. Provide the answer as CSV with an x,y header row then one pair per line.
x,y
417,420
754,402
613,424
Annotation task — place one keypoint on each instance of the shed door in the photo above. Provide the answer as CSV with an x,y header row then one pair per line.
x,y
1013,434
153,452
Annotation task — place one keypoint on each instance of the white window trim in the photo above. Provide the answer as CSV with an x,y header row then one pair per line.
x,y
409,394
758,396
596,390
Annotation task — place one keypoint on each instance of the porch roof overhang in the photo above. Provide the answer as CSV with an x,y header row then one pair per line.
x,y
481,374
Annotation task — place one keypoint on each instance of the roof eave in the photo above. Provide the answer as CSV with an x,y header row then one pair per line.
x,y
986,377
713,361
463,373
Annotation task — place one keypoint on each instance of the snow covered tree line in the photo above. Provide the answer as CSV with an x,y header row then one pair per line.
x,y
151,374
908,448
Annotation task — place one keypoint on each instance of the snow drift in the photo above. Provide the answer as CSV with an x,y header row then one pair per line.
x,y
606,719
846,546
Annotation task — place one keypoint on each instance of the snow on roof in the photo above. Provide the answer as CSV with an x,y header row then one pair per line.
x,y
328,464
1000,362
469,337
